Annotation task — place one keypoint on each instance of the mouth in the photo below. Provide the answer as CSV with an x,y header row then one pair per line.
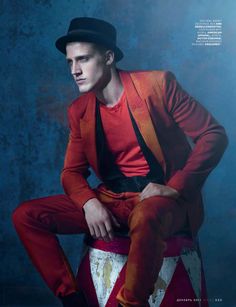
x,y
80,81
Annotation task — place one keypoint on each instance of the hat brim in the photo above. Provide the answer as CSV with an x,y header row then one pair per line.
x,y
86,36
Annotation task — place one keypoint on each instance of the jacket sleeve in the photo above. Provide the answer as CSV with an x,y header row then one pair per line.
x,y
207,134
76,167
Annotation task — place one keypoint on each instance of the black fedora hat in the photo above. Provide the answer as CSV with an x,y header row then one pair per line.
x,y
88,29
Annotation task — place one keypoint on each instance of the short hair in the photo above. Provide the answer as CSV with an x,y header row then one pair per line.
x,y
102,49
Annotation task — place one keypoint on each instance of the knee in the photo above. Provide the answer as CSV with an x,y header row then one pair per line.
x,y
152,212
142,216
21,213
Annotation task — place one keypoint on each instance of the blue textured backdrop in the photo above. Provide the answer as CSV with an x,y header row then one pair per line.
x,y
36,88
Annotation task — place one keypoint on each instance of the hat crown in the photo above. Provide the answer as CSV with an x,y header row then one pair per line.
x,y
89,29
93,24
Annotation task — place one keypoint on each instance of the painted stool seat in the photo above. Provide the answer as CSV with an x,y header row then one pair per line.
x,y
180,282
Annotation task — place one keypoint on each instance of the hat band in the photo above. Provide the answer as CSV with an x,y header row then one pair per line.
x,y
95,34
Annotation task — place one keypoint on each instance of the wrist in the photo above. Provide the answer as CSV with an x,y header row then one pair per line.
x,y
90,203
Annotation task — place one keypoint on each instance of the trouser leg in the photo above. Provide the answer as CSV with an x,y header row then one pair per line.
x,y
37,222
150,222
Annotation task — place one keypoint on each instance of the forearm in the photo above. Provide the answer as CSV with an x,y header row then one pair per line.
x,y
76,187
208,135
76,167
205,156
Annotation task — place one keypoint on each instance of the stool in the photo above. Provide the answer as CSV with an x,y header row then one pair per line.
x,y
180,282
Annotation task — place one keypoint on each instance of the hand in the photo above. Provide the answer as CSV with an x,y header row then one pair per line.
x,y
99,220
155,189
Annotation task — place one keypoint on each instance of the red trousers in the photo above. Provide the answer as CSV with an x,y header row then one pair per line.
x,y
150,222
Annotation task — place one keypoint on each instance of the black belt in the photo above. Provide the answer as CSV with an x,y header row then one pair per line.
x,y
130,184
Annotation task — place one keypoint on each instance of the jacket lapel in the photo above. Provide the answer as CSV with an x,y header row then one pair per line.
x,y
142,117
140,112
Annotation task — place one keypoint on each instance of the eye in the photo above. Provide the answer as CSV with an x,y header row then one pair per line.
x,y
69,63
84,59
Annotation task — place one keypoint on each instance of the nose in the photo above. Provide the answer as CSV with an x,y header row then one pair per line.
x,y
76,69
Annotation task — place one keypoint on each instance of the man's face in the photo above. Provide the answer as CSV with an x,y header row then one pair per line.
x,y
88,66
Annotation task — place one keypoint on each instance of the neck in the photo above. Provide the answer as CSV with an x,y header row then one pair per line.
x,y
113,90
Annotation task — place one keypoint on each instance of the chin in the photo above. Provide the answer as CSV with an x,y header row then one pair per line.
x,y
84,89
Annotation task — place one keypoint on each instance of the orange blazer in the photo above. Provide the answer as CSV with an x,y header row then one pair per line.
x,y
167,117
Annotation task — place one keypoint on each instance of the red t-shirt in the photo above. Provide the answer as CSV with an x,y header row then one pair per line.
x,y
122,140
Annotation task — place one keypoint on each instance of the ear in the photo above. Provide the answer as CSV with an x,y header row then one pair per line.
x,y
109,57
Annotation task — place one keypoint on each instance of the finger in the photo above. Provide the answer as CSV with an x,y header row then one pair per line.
x,y
92,232
109,229
146,190
144,195
97,232
149,194
141,195
104,234
146,187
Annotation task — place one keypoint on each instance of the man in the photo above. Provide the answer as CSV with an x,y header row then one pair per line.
x,y
132,129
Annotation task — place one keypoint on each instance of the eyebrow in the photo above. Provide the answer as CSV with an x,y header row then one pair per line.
x,y
79,57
